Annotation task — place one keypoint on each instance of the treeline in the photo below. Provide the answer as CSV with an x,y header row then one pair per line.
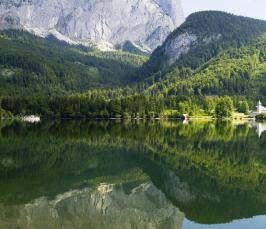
x,y
81,106
99,105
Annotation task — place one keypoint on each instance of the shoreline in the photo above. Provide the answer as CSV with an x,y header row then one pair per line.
x,y
37,119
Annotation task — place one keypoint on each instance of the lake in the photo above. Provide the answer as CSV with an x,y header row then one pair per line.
x,y
135,174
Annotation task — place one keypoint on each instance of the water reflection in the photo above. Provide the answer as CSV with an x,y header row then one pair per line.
x,y
259,127
107,206
130,175
257,222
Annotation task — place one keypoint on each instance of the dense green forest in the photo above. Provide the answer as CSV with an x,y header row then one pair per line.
x,y
235,71
53,79
232,31
38,66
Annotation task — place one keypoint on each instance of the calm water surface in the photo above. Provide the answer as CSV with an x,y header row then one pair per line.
x,y
81,174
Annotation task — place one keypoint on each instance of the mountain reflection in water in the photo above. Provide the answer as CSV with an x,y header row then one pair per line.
x,y
81,174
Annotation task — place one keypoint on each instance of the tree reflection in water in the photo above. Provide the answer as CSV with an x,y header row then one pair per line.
x,y
88,172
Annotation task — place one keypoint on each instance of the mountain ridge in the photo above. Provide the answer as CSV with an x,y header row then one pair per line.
x,y
202,36
106,22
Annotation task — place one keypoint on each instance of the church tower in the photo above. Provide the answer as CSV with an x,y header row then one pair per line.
x,y
260,109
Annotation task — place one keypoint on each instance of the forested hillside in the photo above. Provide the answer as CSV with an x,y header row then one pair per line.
x,y
30,65
214,77
210,32
235,71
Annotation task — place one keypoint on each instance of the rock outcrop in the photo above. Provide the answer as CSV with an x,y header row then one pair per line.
x,y
105,22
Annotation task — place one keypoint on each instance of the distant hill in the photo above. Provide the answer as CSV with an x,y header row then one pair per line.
x,y
203,36
235,71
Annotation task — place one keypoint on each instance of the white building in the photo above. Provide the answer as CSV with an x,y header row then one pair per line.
x,y
259,110
31,118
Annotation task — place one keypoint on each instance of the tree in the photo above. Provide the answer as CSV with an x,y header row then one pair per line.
x,y
243,107
224,108
261,118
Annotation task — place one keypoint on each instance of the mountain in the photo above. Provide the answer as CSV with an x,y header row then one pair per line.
x,y
202,36
234,71
104,22
212,54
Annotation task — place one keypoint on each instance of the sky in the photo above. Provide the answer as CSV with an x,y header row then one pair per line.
x,y
250,8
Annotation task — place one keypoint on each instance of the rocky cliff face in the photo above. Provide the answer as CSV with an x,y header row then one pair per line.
x,y
109,206
106,22
180,45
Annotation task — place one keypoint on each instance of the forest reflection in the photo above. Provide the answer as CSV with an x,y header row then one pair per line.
x,y
213,172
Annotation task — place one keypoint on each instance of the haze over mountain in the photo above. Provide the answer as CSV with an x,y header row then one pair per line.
x,y
107,23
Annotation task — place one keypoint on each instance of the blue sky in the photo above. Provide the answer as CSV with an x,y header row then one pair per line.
x,y
250,8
